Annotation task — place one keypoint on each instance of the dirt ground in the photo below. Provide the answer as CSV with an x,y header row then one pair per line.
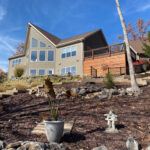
x,y
20,113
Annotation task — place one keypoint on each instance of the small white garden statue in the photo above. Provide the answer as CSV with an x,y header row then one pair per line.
x,y
111,118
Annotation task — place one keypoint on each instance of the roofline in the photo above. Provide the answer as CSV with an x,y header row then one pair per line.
x,y
41,33
13,57
80,39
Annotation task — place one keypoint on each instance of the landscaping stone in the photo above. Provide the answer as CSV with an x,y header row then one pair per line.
x,y
14,145
94,89
2,145
82,92
100,97
75,90
100,148
132,144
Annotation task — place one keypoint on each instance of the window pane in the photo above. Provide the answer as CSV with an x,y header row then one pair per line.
x,y
34,42
41,72
49,46
63,71
67,69
34,55
42,56
13,63
19,61
50,55
74,50
73,70
63,53
42,44
68,52
50,72
33,72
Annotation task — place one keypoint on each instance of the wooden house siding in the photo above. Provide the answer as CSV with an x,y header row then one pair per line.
x,y
108,61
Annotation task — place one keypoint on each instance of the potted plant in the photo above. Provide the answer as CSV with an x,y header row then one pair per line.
x,y
54,127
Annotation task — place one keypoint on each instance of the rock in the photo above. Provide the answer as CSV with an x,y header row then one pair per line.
x,y
114,91
129,91
55,146
32,146
11,149
94,89
132,144
122,92
75,90
2,145
89,83
13,145
148,148
82,92
100,148
101,96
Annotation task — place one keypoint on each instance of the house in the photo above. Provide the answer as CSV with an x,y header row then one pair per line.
x,y
87,54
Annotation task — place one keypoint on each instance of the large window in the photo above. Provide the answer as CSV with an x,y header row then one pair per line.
x,y
72,70
68,52
41,72
33,72
34,42
50,55
33,55
42,44
42,56
50,72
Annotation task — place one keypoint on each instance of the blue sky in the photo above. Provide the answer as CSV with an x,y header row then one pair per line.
x,y
64,18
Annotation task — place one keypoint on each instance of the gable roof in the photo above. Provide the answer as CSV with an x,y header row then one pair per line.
x,y
77,38
58,42
137,46
51,37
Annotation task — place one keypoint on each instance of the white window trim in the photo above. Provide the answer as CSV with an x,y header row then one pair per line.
x,y
70,52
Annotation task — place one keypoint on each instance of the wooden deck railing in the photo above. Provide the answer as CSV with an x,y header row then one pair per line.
x,y
108,50
117,70
93,72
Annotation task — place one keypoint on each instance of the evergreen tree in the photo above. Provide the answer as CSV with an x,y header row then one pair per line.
x,y
146,47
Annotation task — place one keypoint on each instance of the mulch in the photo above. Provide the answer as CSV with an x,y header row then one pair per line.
x,y
19,114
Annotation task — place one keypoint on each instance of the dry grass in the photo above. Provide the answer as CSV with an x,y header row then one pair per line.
x,y
20,86
35,83
2,89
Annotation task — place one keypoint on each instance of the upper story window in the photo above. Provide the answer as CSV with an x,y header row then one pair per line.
x,y
33,55
50,55
74,48
34,42
33,72
68,52
42,44
49,46
41,72
63,53
42,56
19,61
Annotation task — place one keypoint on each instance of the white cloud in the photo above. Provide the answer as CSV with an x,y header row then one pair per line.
x,y
143,8
2,13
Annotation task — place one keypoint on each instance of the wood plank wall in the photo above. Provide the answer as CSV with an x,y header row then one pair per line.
x,y
102,62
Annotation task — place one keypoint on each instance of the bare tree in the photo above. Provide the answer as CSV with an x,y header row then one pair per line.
x,y
20,48
136,31
134,85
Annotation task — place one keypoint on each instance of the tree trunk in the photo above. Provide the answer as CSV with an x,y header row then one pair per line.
x,y
134,85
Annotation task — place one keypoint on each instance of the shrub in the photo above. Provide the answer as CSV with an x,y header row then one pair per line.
x,y
3,75
19,70
109,82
